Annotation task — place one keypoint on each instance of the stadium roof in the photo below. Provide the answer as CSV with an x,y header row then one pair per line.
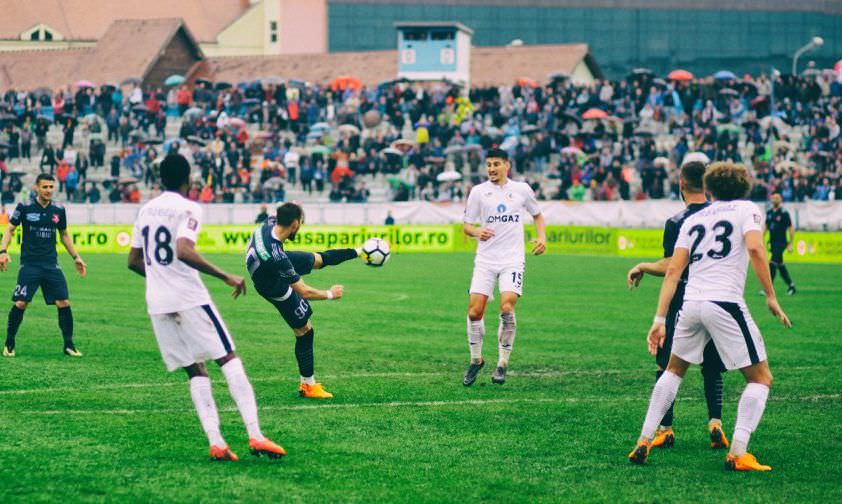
x,y
130,48
90,19
489,65
826,6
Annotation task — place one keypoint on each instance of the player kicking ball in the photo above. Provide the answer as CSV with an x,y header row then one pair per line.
x,y
277,274
691,182
187,325
717,243
41,219
498,204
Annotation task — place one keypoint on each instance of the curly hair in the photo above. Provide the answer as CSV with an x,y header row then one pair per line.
x,y
727,181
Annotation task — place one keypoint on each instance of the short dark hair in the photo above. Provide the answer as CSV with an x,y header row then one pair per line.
x,y
727,181
175,172
495,152
693,175
44,176
287,213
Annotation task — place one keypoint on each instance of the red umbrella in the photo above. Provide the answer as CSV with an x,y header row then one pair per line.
x,y
339,173
527,82
595,113
680,75
84,84
344,82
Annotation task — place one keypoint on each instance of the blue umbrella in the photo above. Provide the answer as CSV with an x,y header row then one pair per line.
x,y
322,126
724,75
174,80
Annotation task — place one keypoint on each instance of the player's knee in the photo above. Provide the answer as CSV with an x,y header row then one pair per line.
x,y
301,331
507,307
21,305
476,312
318,262
62,303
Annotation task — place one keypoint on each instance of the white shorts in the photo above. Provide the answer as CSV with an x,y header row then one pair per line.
x,y
191,336
734,333
507,278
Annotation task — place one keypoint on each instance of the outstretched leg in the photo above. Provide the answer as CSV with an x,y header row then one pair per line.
x,y
15,319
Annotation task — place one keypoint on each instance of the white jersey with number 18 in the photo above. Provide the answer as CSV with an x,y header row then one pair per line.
x,y
500,208
171,285
715,239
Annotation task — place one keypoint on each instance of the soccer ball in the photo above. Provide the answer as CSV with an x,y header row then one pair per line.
x,y
375,252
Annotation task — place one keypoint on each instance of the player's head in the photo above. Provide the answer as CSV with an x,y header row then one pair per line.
x,y
497,165
777,201
175,173
727,181
692,178
290,216
45,186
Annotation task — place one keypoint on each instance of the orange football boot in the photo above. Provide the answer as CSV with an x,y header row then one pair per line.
x,y
315,391
640,453
717,437
218,453
266,447
745,462
664,438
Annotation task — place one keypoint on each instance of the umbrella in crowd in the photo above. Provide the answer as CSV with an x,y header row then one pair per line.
x,y
84,84
389,151
320,126
272,79
730,128
203,82
724,75
130,81
174,80
568,117
315,135
530,129
236,122
659,82
404,145
527,82
196,140
453,149
349,129
128,180
680,75
192,113
595,113
558,76
571,150
729,92
323,150
449,176
344,82
43,91
140,108
221,85
397,182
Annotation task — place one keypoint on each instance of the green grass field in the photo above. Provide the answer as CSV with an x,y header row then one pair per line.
x,y
114,426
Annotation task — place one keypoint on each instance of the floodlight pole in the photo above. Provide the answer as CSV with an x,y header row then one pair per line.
x,y
815,42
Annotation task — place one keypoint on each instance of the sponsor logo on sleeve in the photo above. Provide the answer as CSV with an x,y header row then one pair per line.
x,y
757,218
192,224
55,218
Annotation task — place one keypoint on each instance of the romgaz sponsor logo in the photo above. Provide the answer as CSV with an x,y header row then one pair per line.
x,y
503,217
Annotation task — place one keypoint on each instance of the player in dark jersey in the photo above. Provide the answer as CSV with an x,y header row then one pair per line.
x,y
277,273
692,189
40,219
781,237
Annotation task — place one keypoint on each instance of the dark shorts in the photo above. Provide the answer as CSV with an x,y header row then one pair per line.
x,y
778,253
662,358
49,278
294,309
302,262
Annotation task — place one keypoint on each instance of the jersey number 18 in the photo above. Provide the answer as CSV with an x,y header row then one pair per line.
x,y
163,248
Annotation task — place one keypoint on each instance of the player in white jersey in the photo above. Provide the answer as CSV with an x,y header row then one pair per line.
x,y
717,242
498,205
187,325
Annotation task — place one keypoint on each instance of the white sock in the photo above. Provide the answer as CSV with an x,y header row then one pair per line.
x,y
749,412
308,380
662,396
200,392
506,332
476,332
243,394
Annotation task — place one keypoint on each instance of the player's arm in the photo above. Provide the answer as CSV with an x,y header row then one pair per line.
x,y
757,254
790,237
313,294
473,213
187,253
136,262
67,241
657,268
677,263
540,243
4,246
480,233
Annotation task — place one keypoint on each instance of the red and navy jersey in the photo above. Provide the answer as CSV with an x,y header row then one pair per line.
x,y
778,222
38,233
673,226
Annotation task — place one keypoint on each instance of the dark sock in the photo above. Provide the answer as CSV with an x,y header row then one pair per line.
x,y
304,354
15,318
713,391
667,420
333,257
65,323
785,275
773,270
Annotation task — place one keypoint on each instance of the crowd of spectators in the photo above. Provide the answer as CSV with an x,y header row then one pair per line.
x,y
254,141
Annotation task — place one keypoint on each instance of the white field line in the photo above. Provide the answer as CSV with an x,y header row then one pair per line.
x,y
387,374
412,404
